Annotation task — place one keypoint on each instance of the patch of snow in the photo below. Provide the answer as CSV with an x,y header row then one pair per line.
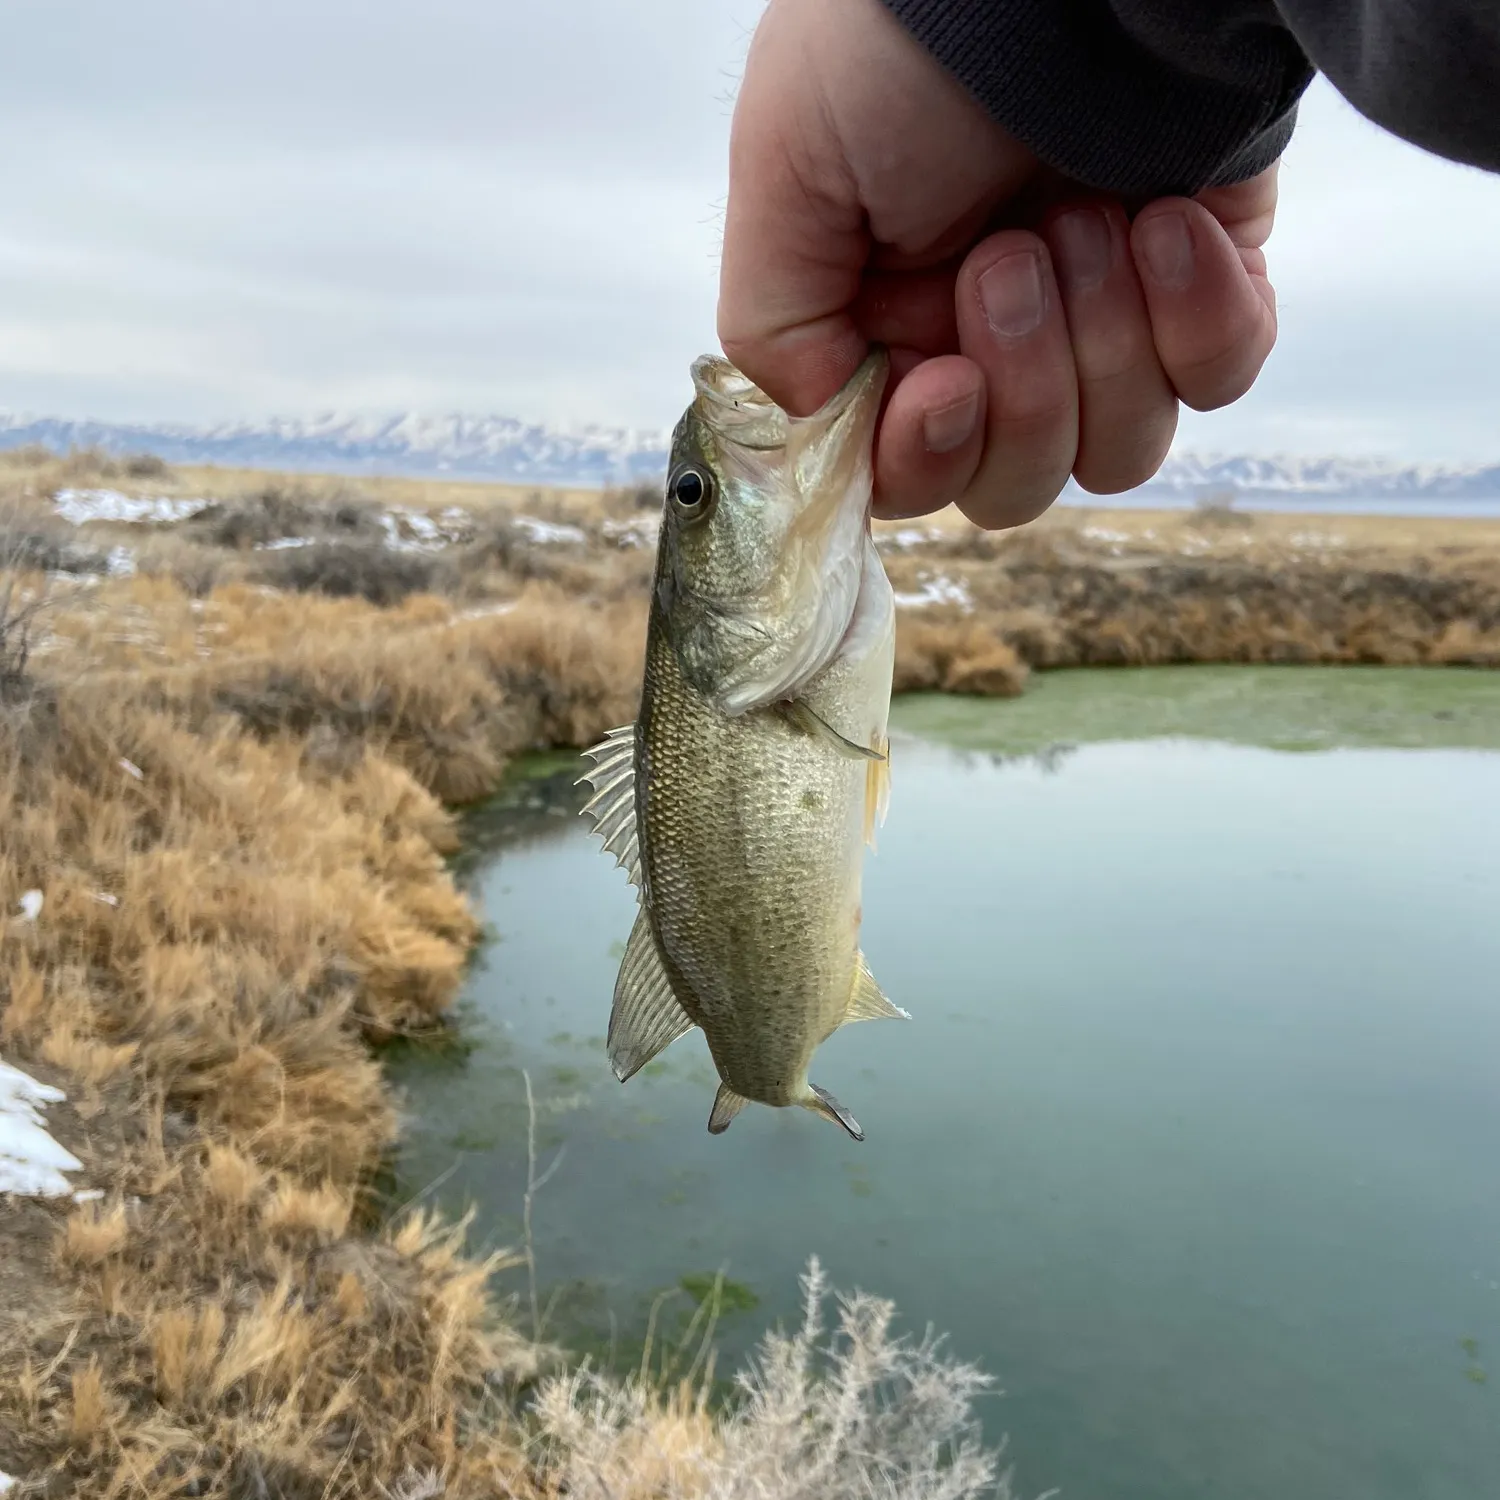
x,y
104,898
31,905
130,768
88,1195
549,533
423,530
408,530
642,531
486,611
79,506
31,1162
281,543
121,562
1104,534
937,591
6,1482
908,537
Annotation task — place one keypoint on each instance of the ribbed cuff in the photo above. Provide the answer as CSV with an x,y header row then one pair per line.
x,y
1074,85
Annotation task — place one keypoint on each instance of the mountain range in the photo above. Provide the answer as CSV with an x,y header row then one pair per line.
x,y
505,450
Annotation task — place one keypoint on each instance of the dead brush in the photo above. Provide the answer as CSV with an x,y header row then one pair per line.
x,y
356,569
567,672
278,511
27,456
954,654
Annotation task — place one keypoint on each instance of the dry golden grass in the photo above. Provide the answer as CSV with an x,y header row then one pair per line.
x,y
229,806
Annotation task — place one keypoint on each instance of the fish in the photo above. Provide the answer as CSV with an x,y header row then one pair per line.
x,y
743,798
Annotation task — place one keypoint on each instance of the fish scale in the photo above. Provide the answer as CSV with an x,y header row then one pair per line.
x,y
743,799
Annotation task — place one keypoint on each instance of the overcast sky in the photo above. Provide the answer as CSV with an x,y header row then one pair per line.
x,y
217,209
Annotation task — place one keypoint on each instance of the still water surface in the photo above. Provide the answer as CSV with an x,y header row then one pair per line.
x,y
1192,1140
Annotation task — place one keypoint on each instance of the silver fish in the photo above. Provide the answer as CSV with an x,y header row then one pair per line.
x,y
741,801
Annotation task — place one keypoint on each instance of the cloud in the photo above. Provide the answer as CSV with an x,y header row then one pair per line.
x,y
217,211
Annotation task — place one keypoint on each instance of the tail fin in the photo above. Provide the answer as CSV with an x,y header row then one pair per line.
x,y
821,1102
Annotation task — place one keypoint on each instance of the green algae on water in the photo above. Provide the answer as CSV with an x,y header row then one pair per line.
x,y
1273,707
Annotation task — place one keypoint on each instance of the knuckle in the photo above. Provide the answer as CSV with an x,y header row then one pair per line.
x,y
1018,480
1002,512
1214,376
1126,457
738,346
1214,382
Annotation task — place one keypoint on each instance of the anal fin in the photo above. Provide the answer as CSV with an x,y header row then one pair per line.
x,y
868,1001
727,1104
646,1017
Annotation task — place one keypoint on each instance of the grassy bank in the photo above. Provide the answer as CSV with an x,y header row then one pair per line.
x,y
233,710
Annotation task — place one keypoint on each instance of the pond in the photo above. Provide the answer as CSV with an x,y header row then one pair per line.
x,y
1191,1142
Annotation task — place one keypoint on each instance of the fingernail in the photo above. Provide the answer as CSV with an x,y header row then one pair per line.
x,y
1011,294
1086,247
1167,246
949,426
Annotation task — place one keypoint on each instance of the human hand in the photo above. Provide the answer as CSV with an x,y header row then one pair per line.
x,y
865,187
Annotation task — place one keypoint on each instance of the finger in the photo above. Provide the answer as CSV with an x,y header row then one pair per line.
x,y
931,436
1011,324
795,238
1127,408
1213,322
1247,210
909,308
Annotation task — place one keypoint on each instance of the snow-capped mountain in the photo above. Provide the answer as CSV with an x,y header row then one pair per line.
x,y
1195,475
454,447
507,450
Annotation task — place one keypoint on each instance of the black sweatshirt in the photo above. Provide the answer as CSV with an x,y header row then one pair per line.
x,y
1147,97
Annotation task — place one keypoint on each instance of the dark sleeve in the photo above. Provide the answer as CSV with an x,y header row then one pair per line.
x,y
1147,97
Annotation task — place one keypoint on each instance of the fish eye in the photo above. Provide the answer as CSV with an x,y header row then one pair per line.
x,y
691,490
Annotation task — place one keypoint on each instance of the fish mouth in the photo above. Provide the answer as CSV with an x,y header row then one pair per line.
x,y
805,484
732,406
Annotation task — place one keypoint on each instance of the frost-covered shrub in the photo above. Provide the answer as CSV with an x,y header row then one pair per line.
x,y
864,1416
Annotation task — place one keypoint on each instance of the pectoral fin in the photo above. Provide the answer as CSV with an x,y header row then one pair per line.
x,y
868,1002
797,712
823,1103
727,1104
646,1017
611,809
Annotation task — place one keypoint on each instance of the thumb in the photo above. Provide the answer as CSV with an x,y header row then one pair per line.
x,y
795,235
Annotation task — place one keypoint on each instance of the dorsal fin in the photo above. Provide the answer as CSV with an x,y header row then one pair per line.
x,y
611,810
646,1017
